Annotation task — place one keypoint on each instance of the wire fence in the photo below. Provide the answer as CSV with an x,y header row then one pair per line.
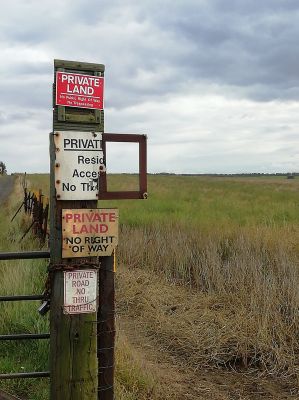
x,y
36,205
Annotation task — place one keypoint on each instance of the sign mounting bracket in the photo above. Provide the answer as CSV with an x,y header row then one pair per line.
x,y
104,194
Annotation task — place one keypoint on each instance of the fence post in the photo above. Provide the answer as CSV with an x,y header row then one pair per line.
x,y
40,214
73,339
25,200
106,329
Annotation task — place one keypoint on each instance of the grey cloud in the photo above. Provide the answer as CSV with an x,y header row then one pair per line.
x,y
238,43
25,95
155,52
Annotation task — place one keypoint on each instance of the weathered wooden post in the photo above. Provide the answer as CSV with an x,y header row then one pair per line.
x,y
82,236
77,117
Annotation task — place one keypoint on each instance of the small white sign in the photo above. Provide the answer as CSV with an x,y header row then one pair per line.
x,y
79,159
80,291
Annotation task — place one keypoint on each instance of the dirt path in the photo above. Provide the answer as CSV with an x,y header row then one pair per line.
x,y
6,186
180,382
177,378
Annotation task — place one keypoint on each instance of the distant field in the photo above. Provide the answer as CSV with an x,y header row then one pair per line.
x,y
211,270
204,201
236,238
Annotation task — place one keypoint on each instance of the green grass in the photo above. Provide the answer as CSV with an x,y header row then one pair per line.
x,y
233,244
204,201
21,277
212,202
28,277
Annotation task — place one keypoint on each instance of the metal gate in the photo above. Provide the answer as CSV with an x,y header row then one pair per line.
x,y
26,336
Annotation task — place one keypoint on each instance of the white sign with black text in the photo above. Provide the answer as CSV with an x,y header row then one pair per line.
x,y
78,163
80,291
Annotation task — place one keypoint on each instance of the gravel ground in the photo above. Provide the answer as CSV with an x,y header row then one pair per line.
x,y
6,186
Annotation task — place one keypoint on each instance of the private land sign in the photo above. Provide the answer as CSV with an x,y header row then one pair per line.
x,y
79,90
79,161
80,291
89,232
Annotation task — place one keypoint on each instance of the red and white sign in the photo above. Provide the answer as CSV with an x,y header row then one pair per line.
x,y
80,291
89,233
79,90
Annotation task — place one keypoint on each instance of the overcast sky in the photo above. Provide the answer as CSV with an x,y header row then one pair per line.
x,y
213,83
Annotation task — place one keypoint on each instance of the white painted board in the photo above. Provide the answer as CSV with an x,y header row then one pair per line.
x,y
78,162
80,291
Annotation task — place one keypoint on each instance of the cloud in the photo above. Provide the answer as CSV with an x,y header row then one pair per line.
x,y
214,83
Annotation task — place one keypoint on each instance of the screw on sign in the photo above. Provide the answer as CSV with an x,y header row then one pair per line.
x,y
79,90
88,233
79,161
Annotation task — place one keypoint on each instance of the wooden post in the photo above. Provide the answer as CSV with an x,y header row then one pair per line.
x,y
73,352
106,329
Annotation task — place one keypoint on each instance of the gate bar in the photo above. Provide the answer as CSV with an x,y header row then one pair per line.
x,y
7,396
18,375
25,336
22,297
24,255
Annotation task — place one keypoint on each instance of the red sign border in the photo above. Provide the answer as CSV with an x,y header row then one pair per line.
x,y
75,73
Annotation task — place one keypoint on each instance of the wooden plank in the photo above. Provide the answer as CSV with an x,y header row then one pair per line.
x,y
78,66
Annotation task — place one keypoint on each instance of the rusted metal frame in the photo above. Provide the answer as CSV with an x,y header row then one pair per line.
x,y
119,195
35,215
22,297
31,201
33,205
25,255
25,336
18,375
143,166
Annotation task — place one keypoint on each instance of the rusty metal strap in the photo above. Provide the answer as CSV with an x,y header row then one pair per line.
x,y
52,268
71,267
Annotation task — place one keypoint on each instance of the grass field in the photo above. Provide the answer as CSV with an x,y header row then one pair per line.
x,y
21,277
234,243
209,274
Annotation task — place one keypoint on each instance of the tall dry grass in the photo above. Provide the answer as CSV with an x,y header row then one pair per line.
x,y
241,267
211,269
244,307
